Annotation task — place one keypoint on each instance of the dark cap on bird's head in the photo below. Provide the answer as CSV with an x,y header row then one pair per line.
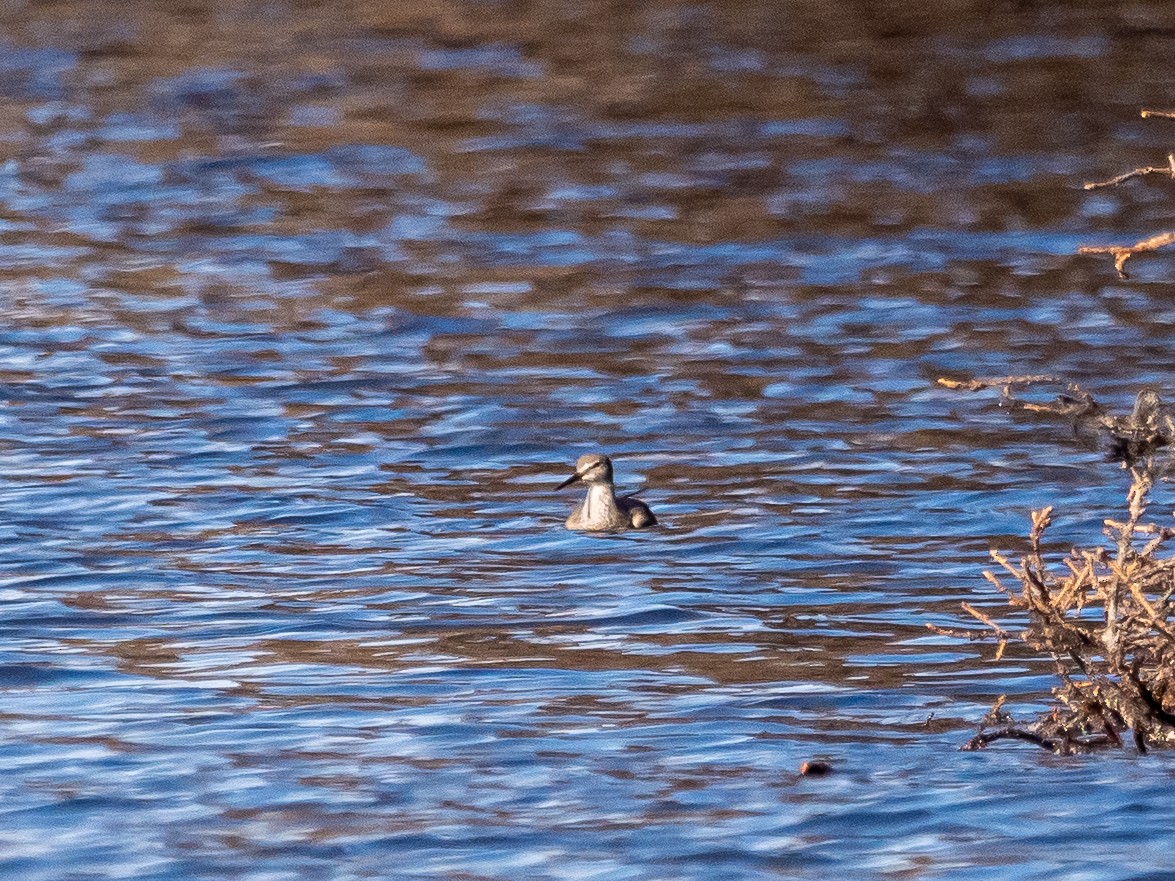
x,y
590,468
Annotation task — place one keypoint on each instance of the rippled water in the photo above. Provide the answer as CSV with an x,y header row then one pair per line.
x,y
305,309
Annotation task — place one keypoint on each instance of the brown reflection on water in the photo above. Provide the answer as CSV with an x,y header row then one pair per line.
x,y
505,107
795,649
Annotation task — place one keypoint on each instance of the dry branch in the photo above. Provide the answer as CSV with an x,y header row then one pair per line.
x,y
1168,169
1105,615
974,385
1122,253
983,738
1134,438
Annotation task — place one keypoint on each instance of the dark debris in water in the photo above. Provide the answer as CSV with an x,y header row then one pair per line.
x,y
815,768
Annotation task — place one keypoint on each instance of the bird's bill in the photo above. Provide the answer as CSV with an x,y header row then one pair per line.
x,y
570,480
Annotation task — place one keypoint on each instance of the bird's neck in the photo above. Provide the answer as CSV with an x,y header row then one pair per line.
x,y
600,499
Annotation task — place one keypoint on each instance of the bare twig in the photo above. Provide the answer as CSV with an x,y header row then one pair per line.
x,y
975,613
974,385
983,738
1168,169
957,633
1122,253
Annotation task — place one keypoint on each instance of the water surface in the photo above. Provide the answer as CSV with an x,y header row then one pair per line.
x,y
305,308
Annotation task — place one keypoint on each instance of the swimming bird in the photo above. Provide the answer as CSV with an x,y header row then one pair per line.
x,y
602,510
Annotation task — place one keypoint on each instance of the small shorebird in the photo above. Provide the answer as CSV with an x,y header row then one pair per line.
x,y
601,510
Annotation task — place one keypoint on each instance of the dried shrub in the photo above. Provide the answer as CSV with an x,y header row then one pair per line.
x,y
1103,614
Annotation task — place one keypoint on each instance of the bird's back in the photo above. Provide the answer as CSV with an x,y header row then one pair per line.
x,y
639,515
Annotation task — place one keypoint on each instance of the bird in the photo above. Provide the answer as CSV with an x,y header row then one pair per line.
x,y
601,510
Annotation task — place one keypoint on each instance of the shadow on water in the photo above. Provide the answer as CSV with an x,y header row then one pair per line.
x,y
306,307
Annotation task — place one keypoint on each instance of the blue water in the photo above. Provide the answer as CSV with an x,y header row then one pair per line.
x,y
298,334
